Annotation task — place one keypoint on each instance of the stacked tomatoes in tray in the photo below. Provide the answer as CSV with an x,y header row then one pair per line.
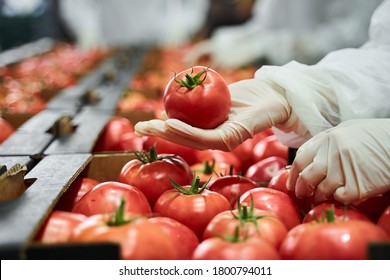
x,y
174,202
26,86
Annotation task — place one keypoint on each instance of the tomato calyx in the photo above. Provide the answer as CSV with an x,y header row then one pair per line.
x,y
236,237
118,218
152,156
191,82
208,168
194,188
245,215
330,216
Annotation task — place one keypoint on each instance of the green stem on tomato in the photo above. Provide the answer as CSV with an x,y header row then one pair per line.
x,y
191,82
194,188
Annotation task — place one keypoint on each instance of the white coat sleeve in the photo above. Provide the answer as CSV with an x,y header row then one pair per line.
x,y
346,84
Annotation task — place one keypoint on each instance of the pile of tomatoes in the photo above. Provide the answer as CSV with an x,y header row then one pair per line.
x,y
26,86
173,202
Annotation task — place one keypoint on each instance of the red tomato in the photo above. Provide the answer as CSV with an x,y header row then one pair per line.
x,y
198,96
138,238
59,227
340,211
252,248
151,173
269,147
374,206
105,198
331,240
191,205
219,156
166,147
6,130
209,169
231,187
76,190
263,170
183,237
384,220
250,222
131,142
276,202
279,182
244,151
111,135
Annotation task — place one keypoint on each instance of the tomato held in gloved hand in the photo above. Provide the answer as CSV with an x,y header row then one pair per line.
x,y
198,96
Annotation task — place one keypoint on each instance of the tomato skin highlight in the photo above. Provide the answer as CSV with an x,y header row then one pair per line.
x,y
276,202
153,178
268,226
206,106
253,248
338,240
183,237
195,211
105,197
58,227
139,239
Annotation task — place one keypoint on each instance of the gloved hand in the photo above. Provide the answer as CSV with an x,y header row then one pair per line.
x,y
350,162
256,105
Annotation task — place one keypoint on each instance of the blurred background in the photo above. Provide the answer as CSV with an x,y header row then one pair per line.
x,y
230,33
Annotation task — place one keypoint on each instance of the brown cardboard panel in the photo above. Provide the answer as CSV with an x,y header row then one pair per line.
x,y
88,126
106,166
21,218
25,143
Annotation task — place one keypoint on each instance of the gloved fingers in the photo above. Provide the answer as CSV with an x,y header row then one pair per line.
x,y
346,194
164,115
161,129
309,168
226,137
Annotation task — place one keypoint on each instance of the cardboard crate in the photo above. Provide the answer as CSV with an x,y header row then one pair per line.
x,y
21,219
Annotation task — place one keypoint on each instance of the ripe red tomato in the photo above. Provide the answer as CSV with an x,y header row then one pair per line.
x,y
209,169
131,142
105,198
340,212
198,96
338,240
269,147
244,151
251,248
73,194
6,129
166,147
262,171
374,206
250,222
231,186
276,202
151,173
219,156
58,227
183,237
279,182
384,220
191,205
110,137
138,238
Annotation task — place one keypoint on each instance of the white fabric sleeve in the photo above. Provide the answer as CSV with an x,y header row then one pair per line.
x,y
346,84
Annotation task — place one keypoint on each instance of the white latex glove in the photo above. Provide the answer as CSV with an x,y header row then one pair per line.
x,y
256,105
350,162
